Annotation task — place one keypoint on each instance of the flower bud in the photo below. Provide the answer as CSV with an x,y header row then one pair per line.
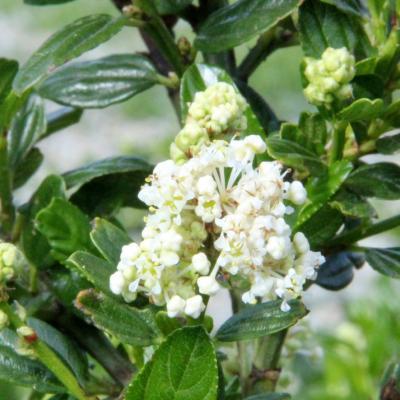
x,y
117,282
297,193
194,306
201,264
301,243
12,261
208,285
175,306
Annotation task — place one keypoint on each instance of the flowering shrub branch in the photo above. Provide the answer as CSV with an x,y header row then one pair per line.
x,y
247,204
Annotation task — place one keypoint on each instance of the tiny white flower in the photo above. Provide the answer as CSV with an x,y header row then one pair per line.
x,y
208,285
278,247
175,306
297,193
194,306
117,282
201,264
301,243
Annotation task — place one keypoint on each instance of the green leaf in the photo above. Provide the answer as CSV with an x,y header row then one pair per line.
x,y
22,371
100,83
352,205
337,271
270,396
61,119
45,2
165,7
368,86
197,78
108,240
8,70
183,367
362,109
321,189
94,269
27,167
391,381
294,155
127,324
388,144
392,114
317,231
352,7
68,351
69,42
385,261
381,180
322,25
260,320
65,227
26,128
239,22
35,245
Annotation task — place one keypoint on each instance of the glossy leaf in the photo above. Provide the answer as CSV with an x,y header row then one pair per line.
x,y
94,269
322,25
381,180
63,346
65,227
66,44
338,270
321,189
100,83
62,118
197,78
27,167
108,240
22,371
45,2
388,144
260,320
362,109
26,128
35,245
8,69
385,261
239,22
294,155
352,7
352,205
183,367
127,324
270,396
165,7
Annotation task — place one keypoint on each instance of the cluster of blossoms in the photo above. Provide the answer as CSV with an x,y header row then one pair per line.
x,y
329,76
215,112
214,218
11,262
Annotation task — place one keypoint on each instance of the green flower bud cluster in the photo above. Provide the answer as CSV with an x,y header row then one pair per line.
x,y
12,261
217,110
329,76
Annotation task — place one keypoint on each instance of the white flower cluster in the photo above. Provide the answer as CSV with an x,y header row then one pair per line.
x,y
217,197
329,76
216,111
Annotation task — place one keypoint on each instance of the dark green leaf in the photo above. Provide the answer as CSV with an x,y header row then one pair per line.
x,y
352,7
322,25
94,269
22,371
127,324
63,346
27,167
337,271
321,189
165,7
260,320
45,2
100,83
65,227
352,205
26,128
317,230
294,155
197,78
388,144
270,396
8,69
385,261
362,109
381,180
61,119
108,240
183,367
239,22
392,114
166,324
35,246
367,86
68,43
